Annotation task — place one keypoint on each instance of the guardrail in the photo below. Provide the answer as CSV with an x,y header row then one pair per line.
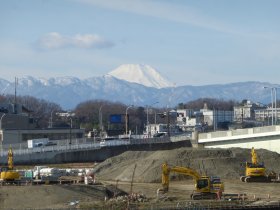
x,y
82,144
239,132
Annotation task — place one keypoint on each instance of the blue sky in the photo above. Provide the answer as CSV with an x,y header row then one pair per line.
x,y
190,42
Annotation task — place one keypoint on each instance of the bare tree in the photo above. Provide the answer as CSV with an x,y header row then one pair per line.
x,y
39,109
211,103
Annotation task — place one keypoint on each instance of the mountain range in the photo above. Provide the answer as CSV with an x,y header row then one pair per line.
x,y
140,85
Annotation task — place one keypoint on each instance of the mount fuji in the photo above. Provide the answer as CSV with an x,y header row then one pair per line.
x,y
139,85
140,74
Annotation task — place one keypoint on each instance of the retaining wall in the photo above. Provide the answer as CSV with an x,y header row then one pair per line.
x,y
89,155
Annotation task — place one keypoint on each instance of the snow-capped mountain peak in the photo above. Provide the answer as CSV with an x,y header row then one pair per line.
x,y
141,74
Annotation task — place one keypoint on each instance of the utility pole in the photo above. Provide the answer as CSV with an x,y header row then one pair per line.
x,y
51,120
3,115
214,120
100,121
147,124
15,106
272,109
273,105
168,123
16,81
70,142
275,100
126,119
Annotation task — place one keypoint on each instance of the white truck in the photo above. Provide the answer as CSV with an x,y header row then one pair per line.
x,y
32,143
36,171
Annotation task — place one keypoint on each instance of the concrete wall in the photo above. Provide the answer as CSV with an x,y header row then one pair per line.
x,y
89,155
260,137
260,143
249,132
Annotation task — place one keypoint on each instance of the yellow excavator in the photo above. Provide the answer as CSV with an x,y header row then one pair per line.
x,y
205,187
255,171
8,173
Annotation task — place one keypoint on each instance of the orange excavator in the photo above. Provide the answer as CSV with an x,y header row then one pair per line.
x,y
8,173
205,187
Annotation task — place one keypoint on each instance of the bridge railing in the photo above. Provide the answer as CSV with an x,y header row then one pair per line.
x,y
54,148
219,134
182,137
83,144
265,129
237,132
240,132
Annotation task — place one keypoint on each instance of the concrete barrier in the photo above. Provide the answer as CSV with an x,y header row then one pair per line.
x,y
89,155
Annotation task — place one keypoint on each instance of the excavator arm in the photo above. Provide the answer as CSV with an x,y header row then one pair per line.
x,y
205,187
254,156
10,159
181,170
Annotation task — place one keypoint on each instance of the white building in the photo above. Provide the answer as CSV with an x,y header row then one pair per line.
x,y
153,129
188,119
245,111
265,115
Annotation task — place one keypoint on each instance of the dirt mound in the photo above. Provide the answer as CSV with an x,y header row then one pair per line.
x,y
226,163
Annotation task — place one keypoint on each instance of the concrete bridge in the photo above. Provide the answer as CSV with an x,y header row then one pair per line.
x,y
267,137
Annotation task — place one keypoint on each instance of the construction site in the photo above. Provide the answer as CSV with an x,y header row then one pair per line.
x,y
182,178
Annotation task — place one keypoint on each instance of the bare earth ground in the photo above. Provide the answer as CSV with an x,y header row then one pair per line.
x,y
117,173
61,196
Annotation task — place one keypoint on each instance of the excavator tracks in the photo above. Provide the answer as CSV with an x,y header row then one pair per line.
x,y
255,179
204,196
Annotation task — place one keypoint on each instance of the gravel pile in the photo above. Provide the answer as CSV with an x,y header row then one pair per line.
x,y
146,165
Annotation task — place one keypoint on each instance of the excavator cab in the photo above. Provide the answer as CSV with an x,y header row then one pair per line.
x,y
203,185
255,169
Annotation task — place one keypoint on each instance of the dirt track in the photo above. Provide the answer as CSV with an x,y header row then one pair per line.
x,y
61,196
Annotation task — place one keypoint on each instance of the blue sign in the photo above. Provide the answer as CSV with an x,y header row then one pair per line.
x,y
115,118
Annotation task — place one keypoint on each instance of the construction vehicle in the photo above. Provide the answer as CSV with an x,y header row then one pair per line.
x,y
255,171
205,187
8,173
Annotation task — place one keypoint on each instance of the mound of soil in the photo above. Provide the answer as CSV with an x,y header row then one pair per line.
x,y
146,165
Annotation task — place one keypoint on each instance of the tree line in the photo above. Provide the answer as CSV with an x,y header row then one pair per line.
x,y
89,113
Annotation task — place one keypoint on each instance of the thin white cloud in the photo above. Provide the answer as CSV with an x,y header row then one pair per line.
x,y
181,13
55,40
20,59
165,10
